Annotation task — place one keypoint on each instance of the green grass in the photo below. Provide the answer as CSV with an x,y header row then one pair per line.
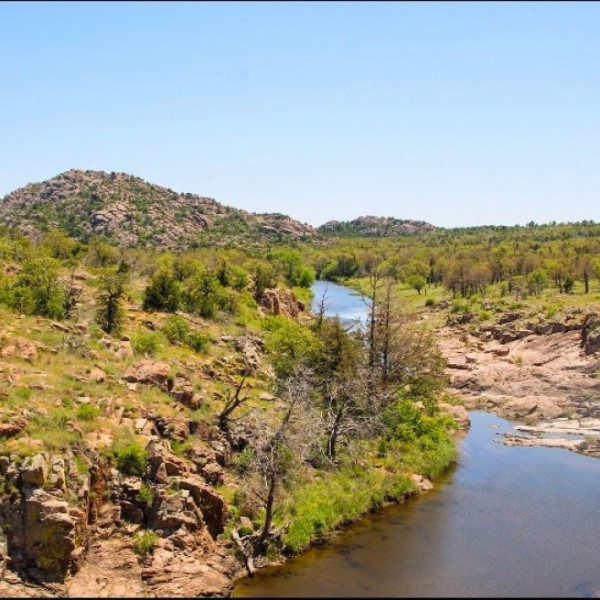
x,y
338,498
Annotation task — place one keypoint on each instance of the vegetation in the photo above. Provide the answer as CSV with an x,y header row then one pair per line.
x,y
322,421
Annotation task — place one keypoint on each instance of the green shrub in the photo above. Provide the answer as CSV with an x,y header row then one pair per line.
x,y
87,412
143,543
430,302
131,459
146,343
163,292
145,495
176,328
198,342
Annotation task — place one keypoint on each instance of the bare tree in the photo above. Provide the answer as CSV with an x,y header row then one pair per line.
x,y
323,306
275,453
234,400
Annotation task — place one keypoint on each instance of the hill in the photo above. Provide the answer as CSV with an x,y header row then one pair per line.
x,y
370,226
130,212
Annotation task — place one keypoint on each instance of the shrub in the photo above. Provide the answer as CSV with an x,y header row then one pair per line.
x,y
176,328
146,343
198,342
145,495
163,292
131,459
143,543
37,289
87,412
430,302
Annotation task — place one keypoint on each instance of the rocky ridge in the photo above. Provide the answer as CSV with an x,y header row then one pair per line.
x,y
370,226
129,211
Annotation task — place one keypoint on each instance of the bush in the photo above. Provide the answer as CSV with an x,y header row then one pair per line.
x,y
198,342
146,343
176,328
87,412
163,292
145,495
37,289
131,459
143,543
430,302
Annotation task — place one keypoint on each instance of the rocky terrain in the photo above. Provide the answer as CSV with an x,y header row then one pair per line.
x,y
370,226
132,212
78,521
544,372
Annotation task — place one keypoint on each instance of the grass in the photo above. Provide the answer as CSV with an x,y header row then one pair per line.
x,y
338,498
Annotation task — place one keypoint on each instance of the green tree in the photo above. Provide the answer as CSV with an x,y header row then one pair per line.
x,y
37,289
163,292
110,312
417,282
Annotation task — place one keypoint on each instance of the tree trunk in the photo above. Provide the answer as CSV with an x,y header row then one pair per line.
x,y
269,511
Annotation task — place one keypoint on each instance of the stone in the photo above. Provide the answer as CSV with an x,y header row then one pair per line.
x,y
276,301
210,502
459,413
125,350
150,372
35,472
97,375
18,347
12,428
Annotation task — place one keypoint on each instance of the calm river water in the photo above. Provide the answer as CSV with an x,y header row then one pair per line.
x,y
508,521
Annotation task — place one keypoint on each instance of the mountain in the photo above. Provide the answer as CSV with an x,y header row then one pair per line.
x,y
370,226
130,211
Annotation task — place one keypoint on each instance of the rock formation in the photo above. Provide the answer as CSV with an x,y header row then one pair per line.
x,y
132,212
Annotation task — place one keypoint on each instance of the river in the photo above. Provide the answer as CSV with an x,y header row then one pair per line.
x,y
508,521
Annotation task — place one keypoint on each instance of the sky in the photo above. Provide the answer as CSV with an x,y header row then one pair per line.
x,y
456,113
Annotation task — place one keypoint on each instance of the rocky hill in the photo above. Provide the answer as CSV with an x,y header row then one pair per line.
x,y
370,226
132,212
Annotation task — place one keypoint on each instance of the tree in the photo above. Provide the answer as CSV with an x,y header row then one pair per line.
x,y
339,379
281,446
163,292
37,289
537,281
417,282
110,314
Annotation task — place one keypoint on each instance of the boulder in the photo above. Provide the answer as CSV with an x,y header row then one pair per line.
x,y
12,428
151,372
174,510
34,472
458,413
18,347
51,534
125,350
590,334
210,502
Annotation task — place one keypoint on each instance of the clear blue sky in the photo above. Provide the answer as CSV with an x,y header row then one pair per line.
x,y
455,113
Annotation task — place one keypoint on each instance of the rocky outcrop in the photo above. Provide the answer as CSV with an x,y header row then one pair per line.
x,y
370,226
277,301
151,372
74,531
18,347
590,334
542,371
132,212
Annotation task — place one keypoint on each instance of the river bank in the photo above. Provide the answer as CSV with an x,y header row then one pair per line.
x,y
490,529
546,379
